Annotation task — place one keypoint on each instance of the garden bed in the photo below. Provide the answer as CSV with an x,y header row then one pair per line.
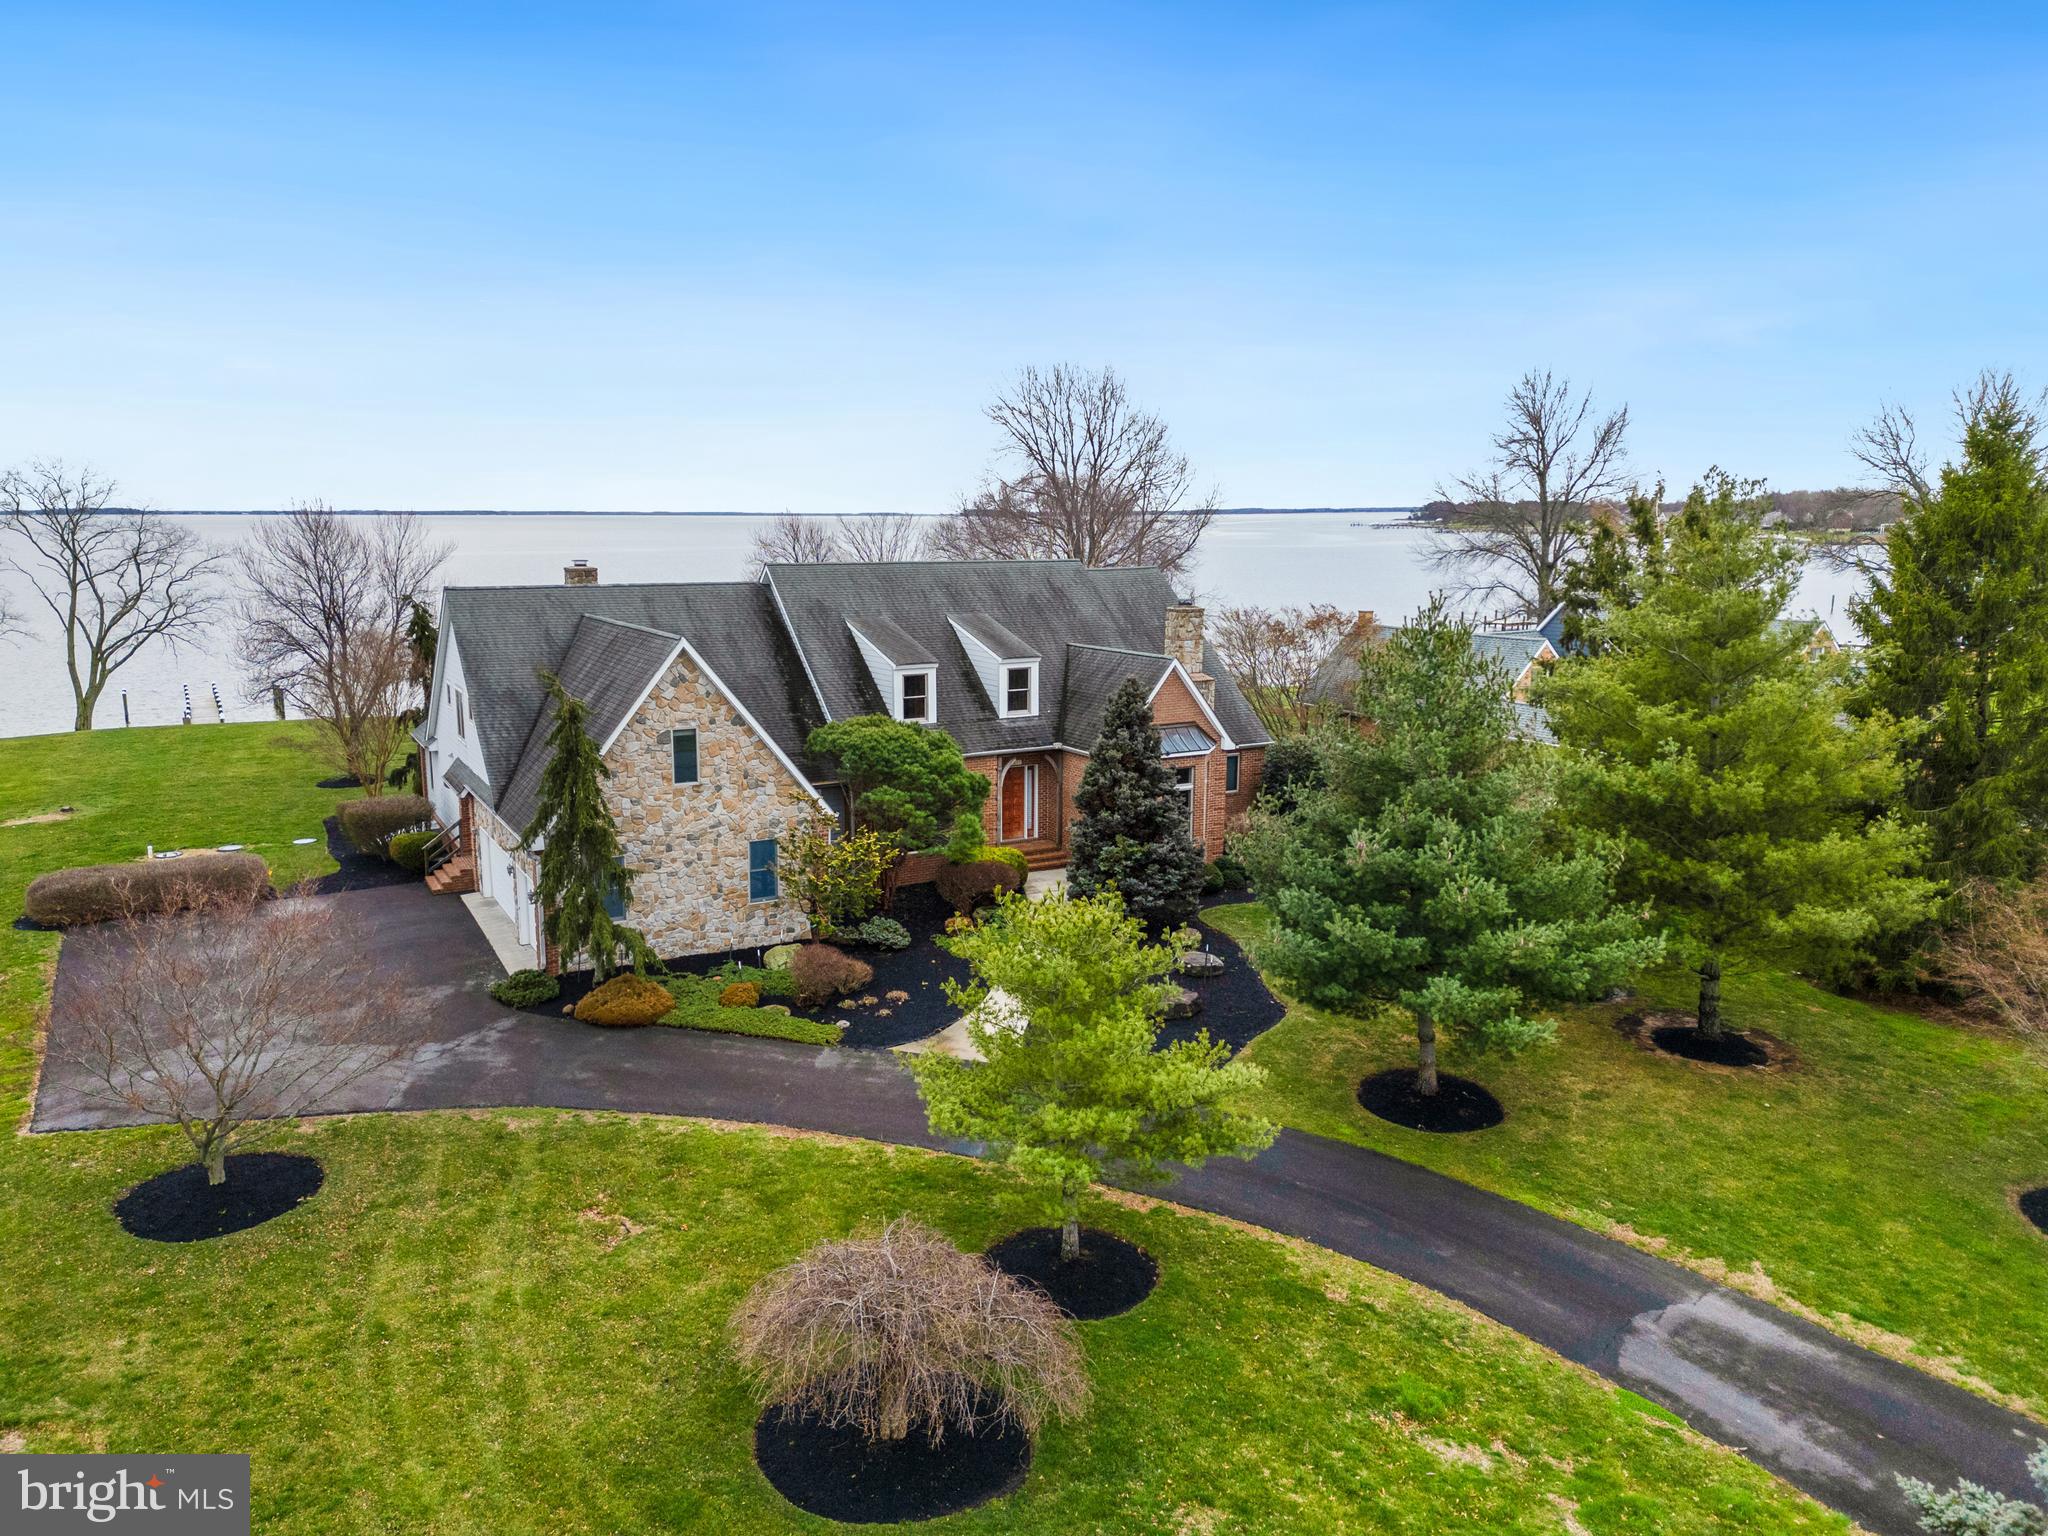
x,y
181,1207
919,973
1236,1006
358,871
1110,1277
1457,1106
834,1472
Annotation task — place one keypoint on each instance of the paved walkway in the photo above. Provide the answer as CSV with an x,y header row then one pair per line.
x,y
1834,1419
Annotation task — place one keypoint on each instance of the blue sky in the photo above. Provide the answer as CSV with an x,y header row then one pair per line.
x,y
763,257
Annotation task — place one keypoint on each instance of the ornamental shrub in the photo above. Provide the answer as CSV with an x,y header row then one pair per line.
x,y
883,933
968,886
1014,857
98,893
740,994
822,973
625,1001
408,850
526,989
369,825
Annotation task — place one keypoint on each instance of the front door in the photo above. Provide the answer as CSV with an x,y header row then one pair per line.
x,y
1017,801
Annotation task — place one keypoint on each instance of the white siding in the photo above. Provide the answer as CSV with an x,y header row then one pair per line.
x,y
443,741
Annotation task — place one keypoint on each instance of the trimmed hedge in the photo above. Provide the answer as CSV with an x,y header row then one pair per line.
x,y
822,973
98,893
996,853
526,989
408,850
968,886
625,1002
370,824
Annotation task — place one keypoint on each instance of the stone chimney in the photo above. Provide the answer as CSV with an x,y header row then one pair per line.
x,y
581,574
1184,645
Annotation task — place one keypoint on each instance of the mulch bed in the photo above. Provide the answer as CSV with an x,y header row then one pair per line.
x,y
922,971
1459,1104
181,1207
1677,1034
359,871
1110,1277
1237,1007
841,1476
2034,1206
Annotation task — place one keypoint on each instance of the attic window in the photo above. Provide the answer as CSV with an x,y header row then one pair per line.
x,y
1020,689
914,695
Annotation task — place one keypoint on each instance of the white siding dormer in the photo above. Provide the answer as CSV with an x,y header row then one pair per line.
x,y
1011,682
911,688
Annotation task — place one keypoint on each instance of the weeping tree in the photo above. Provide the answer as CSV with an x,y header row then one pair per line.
x,y
583,873
1065,1005
1131,820
1426,870
1708,732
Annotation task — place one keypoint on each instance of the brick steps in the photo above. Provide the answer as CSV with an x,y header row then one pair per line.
x,y
1041,854
456,877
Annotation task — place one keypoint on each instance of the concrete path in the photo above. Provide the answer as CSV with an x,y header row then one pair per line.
x,y
1833,1419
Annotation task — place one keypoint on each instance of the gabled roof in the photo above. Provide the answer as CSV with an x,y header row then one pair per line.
x,y
1092,674
1039,605
1001,642
886,636
507,635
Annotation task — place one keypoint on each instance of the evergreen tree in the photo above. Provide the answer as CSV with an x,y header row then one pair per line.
x,y
582,866
1621,554
1425,871
1131,826
1072,1087
908,783
1957,626
1706,735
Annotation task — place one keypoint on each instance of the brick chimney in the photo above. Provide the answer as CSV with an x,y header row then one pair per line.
x,y
1184,645
581,574
1367,625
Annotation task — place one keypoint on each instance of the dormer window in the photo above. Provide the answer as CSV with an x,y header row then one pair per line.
x,y
1020,689
914,695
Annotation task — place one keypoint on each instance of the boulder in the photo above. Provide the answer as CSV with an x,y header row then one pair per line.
x,y
777,959
1201,962
1183,1004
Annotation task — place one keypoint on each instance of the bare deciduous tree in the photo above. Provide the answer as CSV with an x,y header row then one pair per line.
x,y
326,613
879,537
237,1014
1096,480
1274,654
792,539
114,579
1522,518
882,536
904,1331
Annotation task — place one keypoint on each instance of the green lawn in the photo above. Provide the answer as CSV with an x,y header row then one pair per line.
x,y
514,1321
1871,1185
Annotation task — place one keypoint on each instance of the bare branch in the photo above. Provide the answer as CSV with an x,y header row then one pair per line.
x,y
114,580
795,540
1094,480
882,537
1274,654
1521,520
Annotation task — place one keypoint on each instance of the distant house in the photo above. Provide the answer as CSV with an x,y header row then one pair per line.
x,y
1517,649
703,695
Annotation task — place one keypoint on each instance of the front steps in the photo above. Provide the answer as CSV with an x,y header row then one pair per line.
x,y
456,877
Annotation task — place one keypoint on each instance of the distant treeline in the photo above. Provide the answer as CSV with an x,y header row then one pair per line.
x,y
1845,509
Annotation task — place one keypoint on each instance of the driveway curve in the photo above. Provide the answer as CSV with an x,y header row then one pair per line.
x,y
1835,1420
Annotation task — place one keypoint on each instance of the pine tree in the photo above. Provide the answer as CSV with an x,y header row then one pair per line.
x,y
1131,827
1425,870
908,783
1072,1087
1957,626
1707,736
582,865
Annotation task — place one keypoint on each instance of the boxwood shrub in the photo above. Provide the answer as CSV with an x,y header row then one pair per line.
x,y
408,850
96,893
526,989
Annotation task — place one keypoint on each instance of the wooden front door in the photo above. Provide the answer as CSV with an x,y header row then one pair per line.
x,y
1016,805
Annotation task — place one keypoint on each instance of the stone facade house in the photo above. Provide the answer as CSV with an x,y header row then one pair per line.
x,y
702,697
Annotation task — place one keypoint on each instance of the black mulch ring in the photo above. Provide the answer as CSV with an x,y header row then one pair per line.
x,y
1228,899
1110,1277
1731,1050
2034,1206
1237,1007
359,871
1459,1104
343,781
838,1474
181,1207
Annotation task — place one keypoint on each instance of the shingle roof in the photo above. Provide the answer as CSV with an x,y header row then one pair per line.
x,y
1092,674
888,637
1042,604
506,635
609,666
1513,649
1004,643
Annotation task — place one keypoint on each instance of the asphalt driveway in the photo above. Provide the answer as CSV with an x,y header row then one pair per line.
x,y
1833,1419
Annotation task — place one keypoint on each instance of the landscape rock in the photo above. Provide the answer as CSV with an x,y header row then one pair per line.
x,y
1183,1004
1201,962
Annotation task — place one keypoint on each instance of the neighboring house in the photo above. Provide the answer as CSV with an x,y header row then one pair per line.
x,y
703,695
1517,649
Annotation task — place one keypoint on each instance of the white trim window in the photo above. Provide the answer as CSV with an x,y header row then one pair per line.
x,y
461,723
917,695
1230,773
1020,689
682,754
763,881
1184,781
